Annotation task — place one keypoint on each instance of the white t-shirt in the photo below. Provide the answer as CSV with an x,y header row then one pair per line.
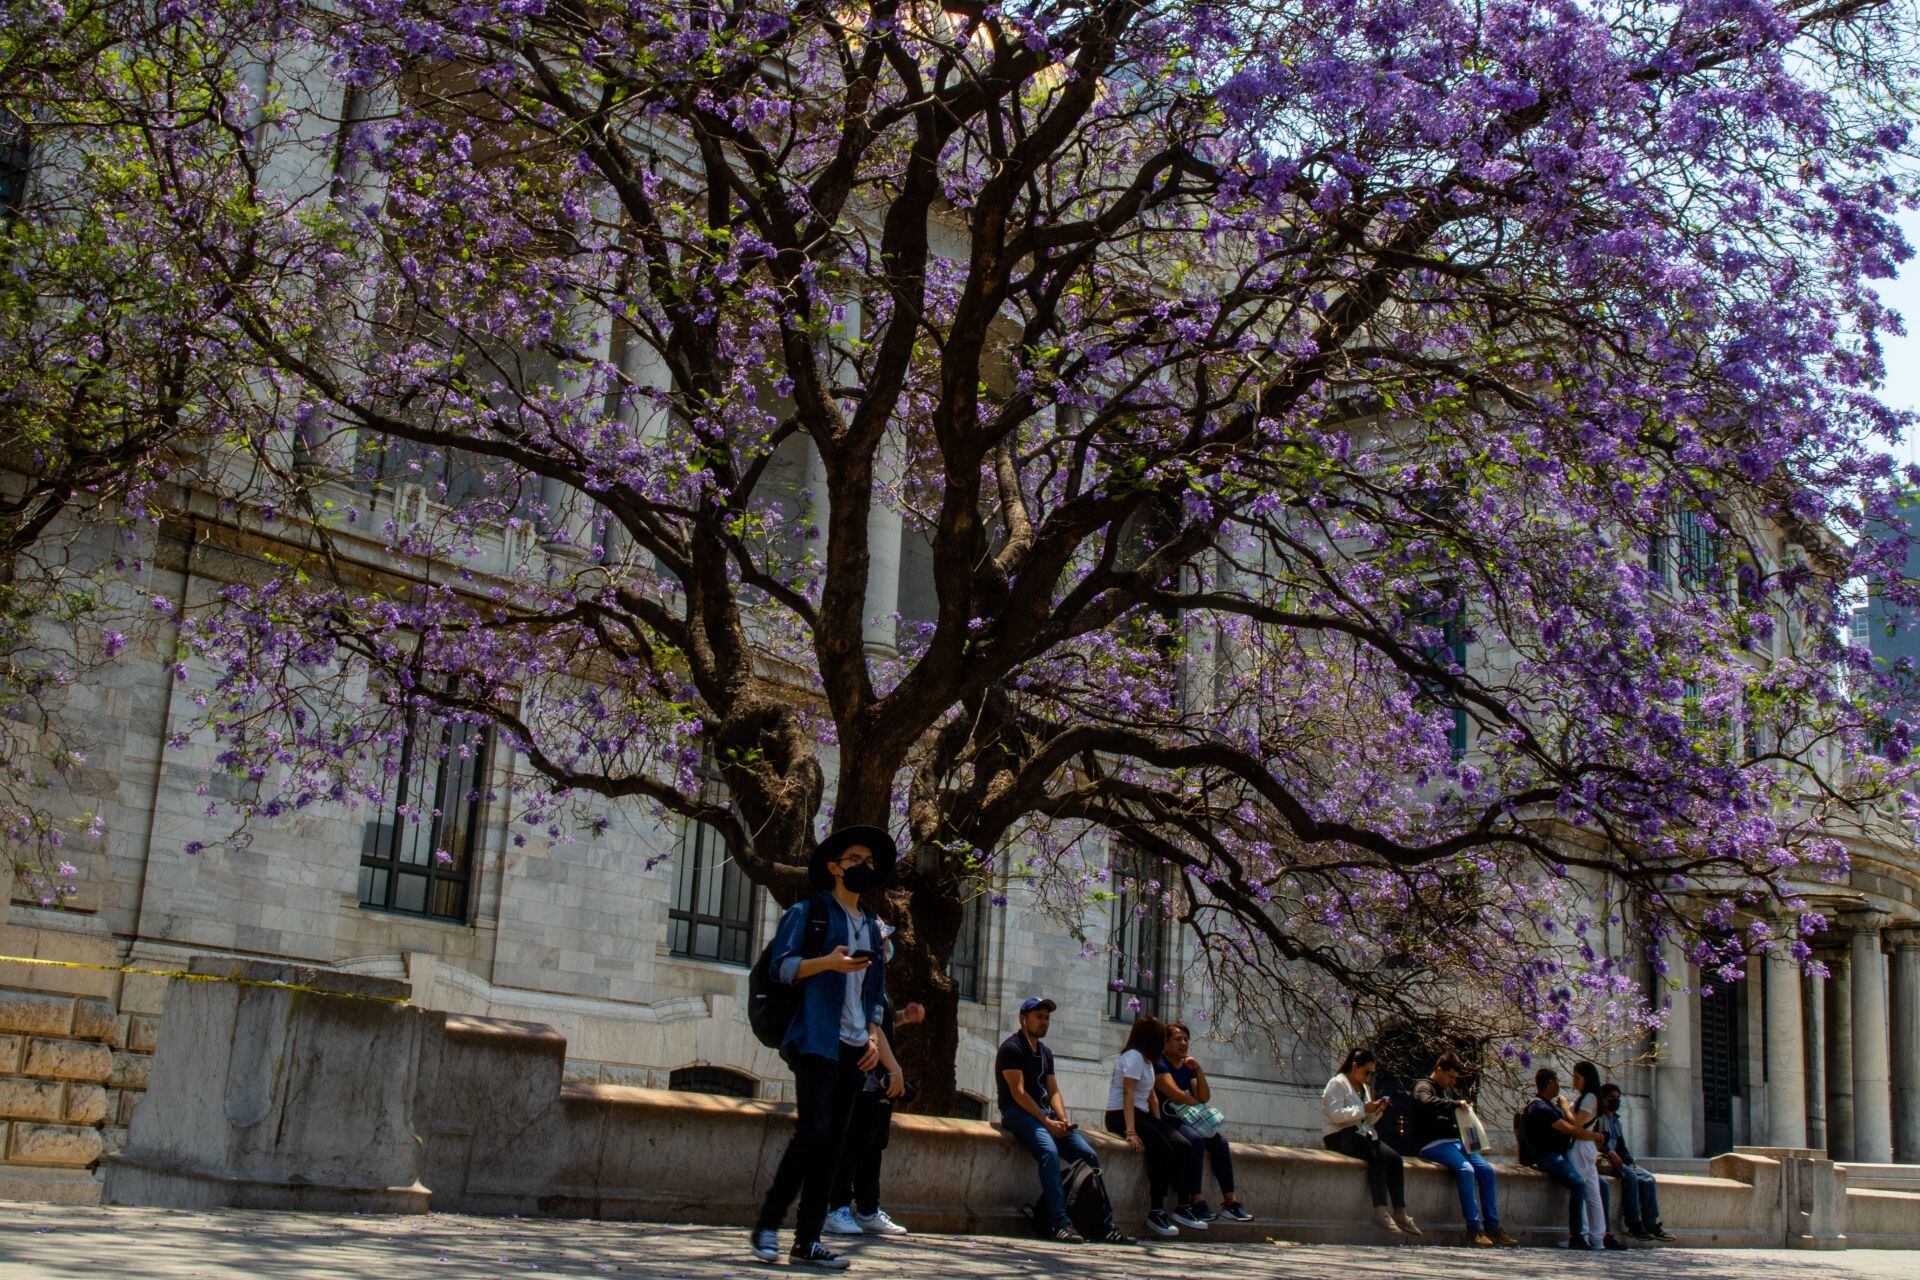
x,y
1131,1066
853,1005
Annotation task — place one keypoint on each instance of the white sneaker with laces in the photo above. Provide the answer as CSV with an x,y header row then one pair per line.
x,y
878,1223
841,1222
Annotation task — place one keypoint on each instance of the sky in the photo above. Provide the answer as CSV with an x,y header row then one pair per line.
x,y
1903,354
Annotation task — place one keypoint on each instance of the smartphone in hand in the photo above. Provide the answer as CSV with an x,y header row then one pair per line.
x,y
863,953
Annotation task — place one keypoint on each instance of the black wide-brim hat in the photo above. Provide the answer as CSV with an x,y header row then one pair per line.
x,y
885,853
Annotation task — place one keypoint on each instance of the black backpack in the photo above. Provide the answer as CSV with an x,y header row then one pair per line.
x,y
1088,1207
1523,1139
771,1005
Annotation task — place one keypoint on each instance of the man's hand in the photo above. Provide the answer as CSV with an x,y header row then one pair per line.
x,y
912,1014
840,962
896,1083
871,1058
1055,1126
1461,1104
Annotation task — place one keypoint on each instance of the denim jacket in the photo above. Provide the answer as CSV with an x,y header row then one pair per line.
x,y
816,1028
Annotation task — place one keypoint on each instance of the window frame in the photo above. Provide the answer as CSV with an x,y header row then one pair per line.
x,y
701,852
973,924
392,826
1129,872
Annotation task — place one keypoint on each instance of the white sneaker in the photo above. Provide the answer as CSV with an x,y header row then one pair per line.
x,y
878,1223
841,1223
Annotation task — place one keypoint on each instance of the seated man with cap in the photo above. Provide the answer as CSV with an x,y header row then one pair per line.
x,y
1032,1110
835,1036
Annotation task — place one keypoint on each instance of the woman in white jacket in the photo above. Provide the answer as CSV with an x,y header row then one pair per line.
x,y
1350,1112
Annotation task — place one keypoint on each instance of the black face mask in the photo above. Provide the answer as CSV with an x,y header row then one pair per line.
x,y
860,878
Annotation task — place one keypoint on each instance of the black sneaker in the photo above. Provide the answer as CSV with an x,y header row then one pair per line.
x,y
1203,1211
766,1244
1610,1241
1185,1216
816,1255
1161,1225
1235,1212
1115,1235
1067,1235
1657,1232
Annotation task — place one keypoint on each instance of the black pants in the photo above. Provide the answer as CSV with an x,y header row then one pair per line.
x,y
825,1091
1386,1176
1171,1158
856,1180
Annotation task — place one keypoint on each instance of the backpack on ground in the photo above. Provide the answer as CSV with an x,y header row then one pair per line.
x,y
1522,1141
771,1005
1088,1208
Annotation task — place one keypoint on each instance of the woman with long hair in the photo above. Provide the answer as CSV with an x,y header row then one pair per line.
x,y
1585,1156
1133,1112
1350,1113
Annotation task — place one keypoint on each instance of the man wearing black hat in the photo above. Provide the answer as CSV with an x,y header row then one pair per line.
x,y
835,1036
1032,1110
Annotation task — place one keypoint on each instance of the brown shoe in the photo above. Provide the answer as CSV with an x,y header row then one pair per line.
x,y
1481,1240
1405,1220
1505,1241
1384,1220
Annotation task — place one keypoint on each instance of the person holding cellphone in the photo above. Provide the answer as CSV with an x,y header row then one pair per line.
x,y
1350,1112
1032,1110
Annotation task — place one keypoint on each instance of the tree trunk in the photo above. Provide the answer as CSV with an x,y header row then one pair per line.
x,y
926,918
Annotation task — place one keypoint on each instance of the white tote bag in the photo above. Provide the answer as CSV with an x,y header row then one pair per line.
x,y
1473,1134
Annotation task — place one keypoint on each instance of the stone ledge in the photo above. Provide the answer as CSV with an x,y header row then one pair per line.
x,y
318,981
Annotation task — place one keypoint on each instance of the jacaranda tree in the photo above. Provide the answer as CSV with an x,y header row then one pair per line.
x,y
1393,468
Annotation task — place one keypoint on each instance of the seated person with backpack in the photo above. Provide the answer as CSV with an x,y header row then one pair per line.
x,y
1073,1204
1546,1133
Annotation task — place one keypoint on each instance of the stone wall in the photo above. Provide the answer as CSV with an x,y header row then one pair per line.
x,y
341,1095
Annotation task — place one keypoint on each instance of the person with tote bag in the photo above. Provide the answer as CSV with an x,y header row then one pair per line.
x,y
1441,1138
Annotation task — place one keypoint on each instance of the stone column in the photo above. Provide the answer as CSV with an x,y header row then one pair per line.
x,y
1839,1051
1786,1053
1813,1002
1872,1117
1905,1058
1675,1085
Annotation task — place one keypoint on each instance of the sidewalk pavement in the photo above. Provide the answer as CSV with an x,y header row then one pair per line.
x,y
45,1242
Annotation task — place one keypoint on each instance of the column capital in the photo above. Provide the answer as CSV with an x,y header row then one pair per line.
x,y
1904,936
1856,922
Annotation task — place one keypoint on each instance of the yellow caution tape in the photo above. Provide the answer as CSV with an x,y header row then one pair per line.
x,y
204,977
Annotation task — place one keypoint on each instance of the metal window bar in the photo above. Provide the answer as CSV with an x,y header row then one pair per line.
x,y
1139,938
968,965
434,810
714,905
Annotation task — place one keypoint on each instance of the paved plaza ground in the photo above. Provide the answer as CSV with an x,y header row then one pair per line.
x,y
41,1242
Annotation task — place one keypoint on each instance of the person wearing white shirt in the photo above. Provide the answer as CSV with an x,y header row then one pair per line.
x,y
1350,1112
1133,1112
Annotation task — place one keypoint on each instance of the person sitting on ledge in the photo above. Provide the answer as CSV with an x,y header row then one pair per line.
x,y
1133,1113
1181,1082
1350,1112
1032,1110
1548,1134
1436,1136
1640,1201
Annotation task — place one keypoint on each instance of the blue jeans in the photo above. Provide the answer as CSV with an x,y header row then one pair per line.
x,y
1640,1203
1047,1152
1561,1170
1468,1168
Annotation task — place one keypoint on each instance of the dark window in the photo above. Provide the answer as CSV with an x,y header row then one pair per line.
x,y
1444,643
969,963
417,853
714,904
1696,553
969,1106
721,1080
16,162
1139,935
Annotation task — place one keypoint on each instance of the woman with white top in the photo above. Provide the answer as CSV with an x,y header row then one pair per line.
x,y
1585,1156
1133,1112
1350,1112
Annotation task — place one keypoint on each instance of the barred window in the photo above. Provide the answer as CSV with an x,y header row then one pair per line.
x,y
969,963
721,1080
417,852
714,905
1140,935
1445,644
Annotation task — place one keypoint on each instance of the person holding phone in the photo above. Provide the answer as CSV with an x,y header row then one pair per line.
x,y
1350,1112
836,1037
1133,1113
1032,1110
